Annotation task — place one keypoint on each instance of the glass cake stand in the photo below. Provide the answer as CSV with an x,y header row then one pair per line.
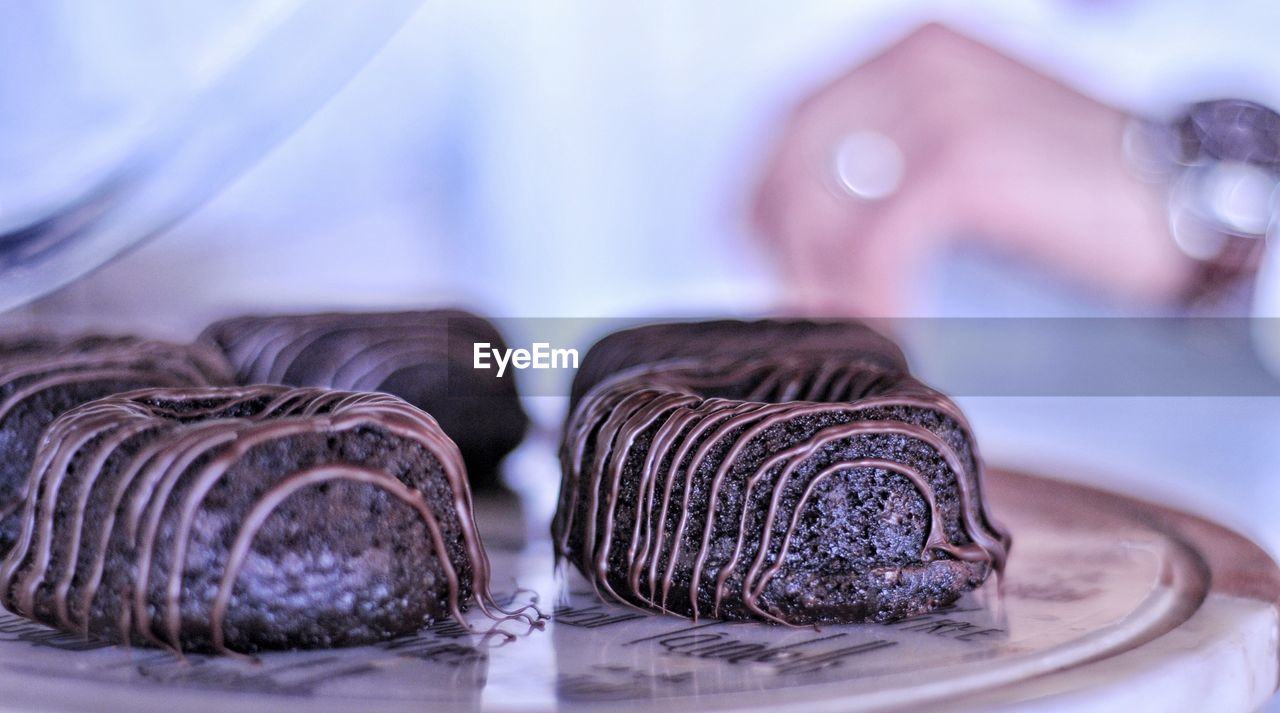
x,y
1108,603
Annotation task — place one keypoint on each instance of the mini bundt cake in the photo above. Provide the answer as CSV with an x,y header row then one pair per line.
x,y
424,357
41,376
246,518
797,486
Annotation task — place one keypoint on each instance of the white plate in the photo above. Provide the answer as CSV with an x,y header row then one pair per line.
x,y
1107,602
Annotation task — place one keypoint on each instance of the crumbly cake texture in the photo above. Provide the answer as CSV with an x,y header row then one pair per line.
x,y
424,357
42,376
820,484
247,518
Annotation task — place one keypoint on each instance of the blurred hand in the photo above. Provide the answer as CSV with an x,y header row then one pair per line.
x,y
992,152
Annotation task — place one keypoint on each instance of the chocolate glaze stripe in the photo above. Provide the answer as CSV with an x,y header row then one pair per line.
x,y
640,408
370,367
376,373
409,422
272,499
84,377
197,487
148,466
788,412
751,595
714,416
62,588
615,410
653,524
257,364
57,462
744,341
290,349
935,538
969,551
611,410
43,522
91,370
594,410
282,360
157,467
191,413
776,413
204,483
419,356
218,467
138,464
637,423
618,416
569,487
367,368
196,363
717,480
58,459
245,335
619,408
760,417
913,394
789,460
273,348
792,458
266,346
269,359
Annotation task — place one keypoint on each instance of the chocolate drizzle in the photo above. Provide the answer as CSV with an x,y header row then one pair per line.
x,y
337,350
424,357
40,375
717,459
171,450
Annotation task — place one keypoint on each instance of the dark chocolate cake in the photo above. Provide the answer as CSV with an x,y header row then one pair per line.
x,y
26,343
423,357
797,486
42,376
262,517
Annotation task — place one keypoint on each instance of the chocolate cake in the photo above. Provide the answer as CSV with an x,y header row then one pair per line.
x,y
247,518
42,376
424,357
27,343
821,483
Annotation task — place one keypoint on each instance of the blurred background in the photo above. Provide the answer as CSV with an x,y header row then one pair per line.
x,y
164,164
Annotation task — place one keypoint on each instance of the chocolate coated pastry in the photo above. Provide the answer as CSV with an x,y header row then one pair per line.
x,y
816,484
247,518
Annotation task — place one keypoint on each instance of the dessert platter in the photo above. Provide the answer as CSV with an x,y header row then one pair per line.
x,y
1107,601
768,515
